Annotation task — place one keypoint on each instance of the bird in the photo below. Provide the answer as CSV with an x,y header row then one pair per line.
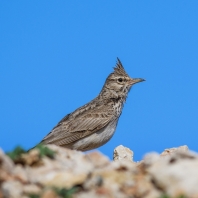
x,y
94,124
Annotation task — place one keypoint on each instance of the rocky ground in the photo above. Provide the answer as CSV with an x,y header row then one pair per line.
x,y
54,172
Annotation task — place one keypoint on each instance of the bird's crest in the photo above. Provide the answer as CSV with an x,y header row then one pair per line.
x,y
119,69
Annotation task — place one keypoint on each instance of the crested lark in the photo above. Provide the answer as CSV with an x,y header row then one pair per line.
x,y
93,124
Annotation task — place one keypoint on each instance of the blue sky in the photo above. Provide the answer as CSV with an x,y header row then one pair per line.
x,y
56,55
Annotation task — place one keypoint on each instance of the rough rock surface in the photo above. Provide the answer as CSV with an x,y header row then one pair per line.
x,y
75,174
122,153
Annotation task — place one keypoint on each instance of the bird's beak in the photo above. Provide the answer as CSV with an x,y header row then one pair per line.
x,y
136,80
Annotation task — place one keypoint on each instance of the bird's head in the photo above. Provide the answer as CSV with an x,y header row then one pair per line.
x,y
119,82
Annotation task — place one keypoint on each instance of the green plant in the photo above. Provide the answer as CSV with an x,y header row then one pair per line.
x,y
16,153
65,193
45,151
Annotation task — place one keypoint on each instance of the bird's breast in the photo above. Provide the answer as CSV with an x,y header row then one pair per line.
x,y
118,108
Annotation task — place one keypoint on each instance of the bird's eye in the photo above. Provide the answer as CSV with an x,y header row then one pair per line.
x,y
120,79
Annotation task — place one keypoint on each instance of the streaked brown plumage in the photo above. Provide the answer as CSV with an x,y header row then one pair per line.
x,y
93,124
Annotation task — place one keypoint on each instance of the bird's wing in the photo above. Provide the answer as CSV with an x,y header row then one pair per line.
x,y
70,131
